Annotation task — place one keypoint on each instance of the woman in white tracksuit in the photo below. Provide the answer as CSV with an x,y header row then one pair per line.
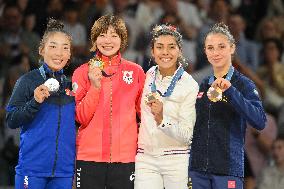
x,y
167,116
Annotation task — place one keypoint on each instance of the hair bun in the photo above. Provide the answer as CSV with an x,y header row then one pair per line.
x,y
54,25
221,25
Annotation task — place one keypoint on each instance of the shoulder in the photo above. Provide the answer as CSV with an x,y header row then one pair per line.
x,y
151,72
32,75
131,64
245,81
83,69
188,81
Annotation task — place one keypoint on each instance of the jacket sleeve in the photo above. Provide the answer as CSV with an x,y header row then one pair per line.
x,y
22,106
141,81
182,129
86,97
248,105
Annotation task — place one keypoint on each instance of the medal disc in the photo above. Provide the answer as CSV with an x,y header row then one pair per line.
x,y
52,85
214,94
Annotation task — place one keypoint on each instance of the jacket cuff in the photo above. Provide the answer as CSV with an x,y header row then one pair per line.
x,y
34,104
230,91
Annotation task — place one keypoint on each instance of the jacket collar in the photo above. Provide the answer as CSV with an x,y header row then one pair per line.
x,y
114,61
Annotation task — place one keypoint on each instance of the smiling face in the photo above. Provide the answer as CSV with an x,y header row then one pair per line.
x,y
219,50
56,50
166,52
108,43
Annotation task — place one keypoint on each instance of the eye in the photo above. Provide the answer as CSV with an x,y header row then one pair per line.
x,y
210,48
102,35
52,46
66,48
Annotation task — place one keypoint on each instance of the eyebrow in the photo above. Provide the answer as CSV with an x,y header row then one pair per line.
x,y
166,44
57,43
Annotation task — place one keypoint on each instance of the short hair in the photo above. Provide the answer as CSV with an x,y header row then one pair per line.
x,y
101,26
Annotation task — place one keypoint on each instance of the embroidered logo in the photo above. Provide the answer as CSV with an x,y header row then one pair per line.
x,y
74,87
26,182
231,184
132,177
200,94
127,77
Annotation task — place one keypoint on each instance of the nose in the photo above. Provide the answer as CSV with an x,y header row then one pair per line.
x,y
59,51
107,39
165,51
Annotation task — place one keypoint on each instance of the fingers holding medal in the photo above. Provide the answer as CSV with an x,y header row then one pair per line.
x,y
153,100
221,83
217,88
95,72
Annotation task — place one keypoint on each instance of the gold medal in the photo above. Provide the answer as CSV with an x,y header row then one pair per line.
x,y
96,63
151,96
214,94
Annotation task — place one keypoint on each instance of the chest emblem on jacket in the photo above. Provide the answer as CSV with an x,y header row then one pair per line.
x,y
127,76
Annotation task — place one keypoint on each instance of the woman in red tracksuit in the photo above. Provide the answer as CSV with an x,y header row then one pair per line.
x,y
107,93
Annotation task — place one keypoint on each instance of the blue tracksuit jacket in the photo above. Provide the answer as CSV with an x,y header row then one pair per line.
x,y
47,139
219,133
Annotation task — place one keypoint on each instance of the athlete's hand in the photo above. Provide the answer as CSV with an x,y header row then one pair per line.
x,y
157,110
41,93
222,83
95,76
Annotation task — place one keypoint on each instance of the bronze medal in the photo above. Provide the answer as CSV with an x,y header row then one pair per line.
x,y
214,94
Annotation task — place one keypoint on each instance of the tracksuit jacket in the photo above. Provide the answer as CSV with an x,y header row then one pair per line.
x,y
219,133
107,116
47,139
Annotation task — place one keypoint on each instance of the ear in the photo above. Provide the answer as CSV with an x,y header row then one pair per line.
x,y
41,51
233,49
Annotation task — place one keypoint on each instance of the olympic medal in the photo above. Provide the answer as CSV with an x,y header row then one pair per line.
x,y
96,63
214,94
151,96
52,85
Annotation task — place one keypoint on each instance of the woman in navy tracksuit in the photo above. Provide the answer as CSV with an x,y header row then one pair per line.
x,y
225,102
46,119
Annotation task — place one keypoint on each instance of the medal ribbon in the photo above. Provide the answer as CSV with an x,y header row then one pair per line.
x,y
172,85
228,77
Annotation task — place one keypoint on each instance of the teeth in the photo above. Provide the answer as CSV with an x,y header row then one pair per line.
x,y
57,61
108,48
165,59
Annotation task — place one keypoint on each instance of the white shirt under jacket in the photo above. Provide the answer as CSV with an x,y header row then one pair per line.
x,y
173,135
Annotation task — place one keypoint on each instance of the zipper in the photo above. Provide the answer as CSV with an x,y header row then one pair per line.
x,y
110,131
57,137
207,144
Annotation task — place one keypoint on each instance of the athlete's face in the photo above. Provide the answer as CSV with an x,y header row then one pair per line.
x,y
219,50
166,52
56,51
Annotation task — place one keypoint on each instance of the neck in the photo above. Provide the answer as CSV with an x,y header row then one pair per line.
x,y
221,71
167,71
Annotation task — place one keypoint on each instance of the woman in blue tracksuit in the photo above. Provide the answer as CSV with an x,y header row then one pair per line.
x,y
45,113
225,102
